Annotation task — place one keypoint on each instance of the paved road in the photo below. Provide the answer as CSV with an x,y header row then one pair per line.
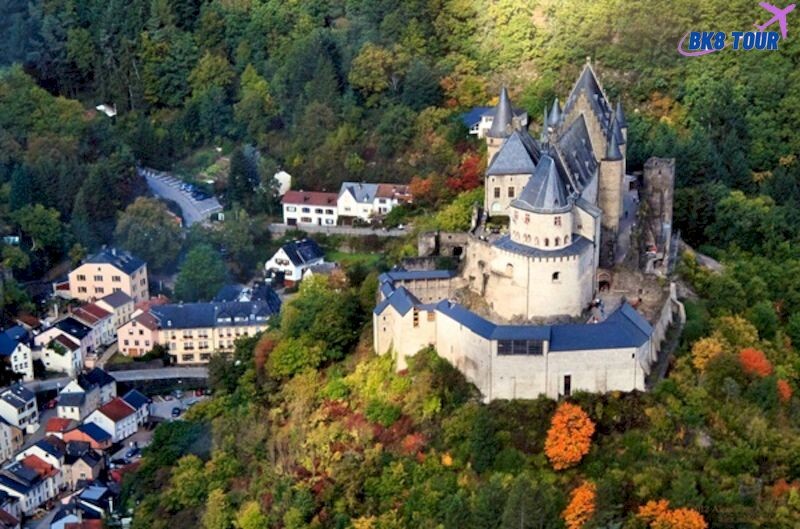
x,y
166,186
127,376
280,229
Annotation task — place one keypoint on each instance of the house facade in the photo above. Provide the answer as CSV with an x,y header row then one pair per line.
x,y
368,201
309,208
18,408
294,258
17,353
108,271
120,304
139,335
100,320
117,418
11,439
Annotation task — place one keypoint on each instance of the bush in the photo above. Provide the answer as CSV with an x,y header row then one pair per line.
x,y
382,412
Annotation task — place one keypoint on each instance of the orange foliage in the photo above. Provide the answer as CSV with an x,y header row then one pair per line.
x,y
581,505
569,437
420,187
754,362
262,351
784,391
781,487
659,516
470,174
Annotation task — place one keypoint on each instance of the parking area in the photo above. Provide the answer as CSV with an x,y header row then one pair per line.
x,y
195,205
164,406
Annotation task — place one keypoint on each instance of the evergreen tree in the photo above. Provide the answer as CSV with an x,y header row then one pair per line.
x,y
21,193
201,275
532,505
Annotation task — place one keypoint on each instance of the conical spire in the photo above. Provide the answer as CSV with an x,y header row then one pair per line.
x,y
503,117
621,115
612,149
543,136
616,131
555,114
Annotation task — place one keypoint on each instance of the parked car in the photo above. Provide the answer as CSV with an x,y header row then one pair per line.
x,y
178,394
133,452
176,411
198,393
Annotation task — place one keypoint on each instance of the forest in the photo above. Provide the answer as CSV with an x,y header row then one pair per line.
x,y
308,429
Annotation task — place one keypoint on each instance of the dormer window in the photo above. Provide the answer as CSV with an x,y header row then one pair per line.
x,y
557,221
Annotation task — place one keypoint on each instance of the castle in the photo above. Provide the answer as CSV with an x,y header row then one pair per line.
x,y
562,197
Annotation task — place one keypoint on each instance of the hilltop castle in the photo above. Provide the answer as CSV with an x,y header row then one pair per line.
x,y
563,196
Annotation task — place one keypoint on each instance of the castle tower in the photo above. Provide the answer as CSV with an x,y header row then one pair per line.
x,y
623,123
502,125
554,119
610,196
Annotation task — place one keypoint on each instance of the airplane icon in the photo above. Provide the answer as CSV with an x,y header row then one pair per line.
x,y
780,16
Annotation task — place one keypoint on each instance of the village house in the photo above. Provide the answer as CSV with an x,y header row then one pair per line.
x,y
365,202
97,437
115,417
84,394
82,464
108,271
18,408
58,426
63,346
100,320
11,439
51,450
309,208
120,304
137,336
294,258
15,351
32,482
140,403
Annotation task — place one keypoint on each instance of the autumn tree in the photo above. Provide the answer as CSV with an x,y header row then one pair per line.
x,y
754,362
704,350
218,512
658,515
569,437
581,506
784,391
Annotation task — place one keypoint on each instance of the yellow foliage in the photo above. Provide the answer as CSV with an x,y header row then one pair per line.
x,y
704,350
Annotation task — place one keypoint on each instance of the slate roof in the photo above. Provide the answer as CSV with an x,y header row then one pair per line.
x,y
546,191
51,445
503,117
135,399
309,198
612,149
575,156
18,395
7,344
228,293
117,299
94,432
401,299
588,84
71,400
620,115
303,251
120,259
73,327
210,314
578,245
469,119
100,377
18,333
414,275
146,320
555,114
361,192
517,155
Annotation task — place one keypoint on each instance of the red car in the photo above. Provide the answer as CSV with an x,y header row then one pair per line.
x,y
51,404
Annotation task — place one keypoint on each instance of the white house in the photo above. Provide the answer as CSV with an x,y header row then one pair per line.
x,y
100,320
18,408
365,201
140,403
283,182
15,351
120,304
116,417
10,441
51,450
294,258
85,394
306,208
32,482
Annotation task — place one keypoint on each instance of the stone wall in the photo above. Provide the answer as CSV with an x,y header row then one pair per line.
x,y
657,195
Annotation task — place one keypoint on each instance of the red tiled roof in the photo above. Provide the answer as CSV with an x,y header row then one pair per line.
x,y
310,198
147,320
90,313
7,519
30,320
398,191
64,285
66,342
58,424
116,410
86,524
40,466
145,305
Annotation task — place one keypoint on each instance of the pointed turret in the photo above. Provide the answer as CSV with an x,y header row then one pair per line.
x,y
616,131
502,123
545,125
555,114
621,115
612,150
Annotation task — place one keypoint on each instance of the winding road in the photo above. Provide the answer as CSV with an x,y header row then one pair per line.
x,y
164,185
126,376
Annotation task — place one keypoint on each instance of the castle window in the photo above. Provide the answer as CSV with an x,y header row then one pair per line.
x,y
510,192
558,241
527,237
416,317
496,192
510,269
431,315
546,241
557,221
566,239
536,241
527,218
556,276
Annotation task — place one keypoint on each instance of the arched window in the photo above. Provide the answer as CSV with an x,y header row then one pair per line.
x,y
546,241
556,276
509,269
566,239
558,241
527,237
527,218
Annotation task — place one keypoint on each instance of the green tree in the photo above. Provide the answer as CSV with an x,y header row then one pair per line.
x,y
218,513
255,107
148,230
201,274
14,258
42,225
250,517
211,71
532,505
187,484
21,189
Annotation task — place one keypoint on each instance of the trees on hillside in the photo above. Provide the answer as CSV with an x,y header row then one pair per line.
x,y
147,229
201,274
